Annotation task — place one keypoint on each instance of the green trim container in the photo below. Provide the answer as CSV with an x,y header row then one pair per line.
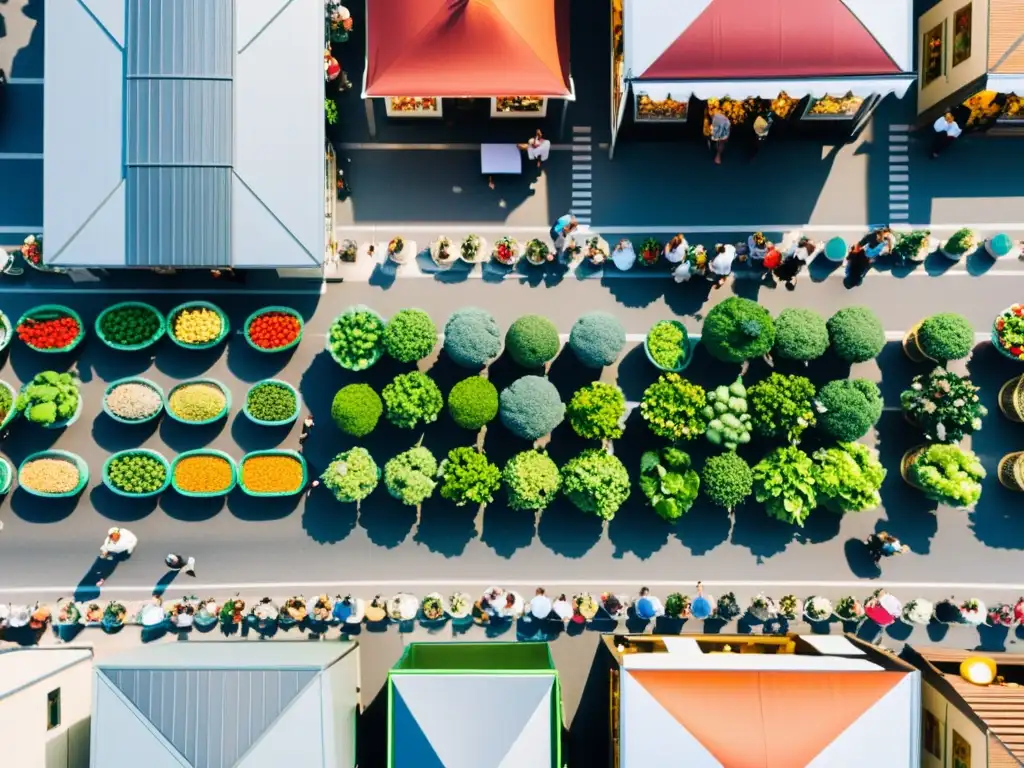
x,y
999,245
157,335
74,458
225,325
136,452
835,249
380,345
687,347
7,329
997,340
6,475
54,312
13,412
275,494
62,423
212,382
268,310
135,380
281,422
205,494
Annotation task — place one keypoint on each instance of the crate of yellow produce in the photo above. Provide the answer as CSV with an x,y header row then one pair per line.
x,y
198,401
204,473
273,473
197,325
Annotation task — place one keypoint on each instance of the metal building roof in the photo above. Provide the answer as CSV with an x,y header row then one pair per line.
x,y
187,133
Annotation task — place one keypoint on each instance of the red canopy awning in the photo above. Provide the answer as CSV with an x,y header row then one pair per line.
x,y
467,48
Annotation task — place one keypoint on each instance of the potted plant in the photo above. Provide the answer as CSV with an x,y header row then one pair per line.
x,y
790,607
913,246
782,406
1000,246
948,612
818,608
432,607
396,250
667,345
460,606
442,252
848,477
727,480
856,334
945,405
68,612
650,252
293,611
960,242
849,609
113,615
472,248
1001,615
696,257
1011,471
669,482
677,606
737,330
93,614
376,611
801,335
403,607
506,251
729,423
944,473
320,609
596,250
674,408
206,616
784,483
1008,332
584,607
727,608
918,611
1018,610
264,615
763,608
973,611
538,252
1011,399
940,338
347,251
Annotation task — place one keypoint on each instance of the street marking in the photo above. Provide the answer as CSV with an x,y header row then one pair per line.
x,y
21,155
13,289
372,146
898,206
898,168
581,158
899,127
582,177
582,185
581,139
899,187
899,177
899,197
582,148
19,230
898,138
581,129
24,81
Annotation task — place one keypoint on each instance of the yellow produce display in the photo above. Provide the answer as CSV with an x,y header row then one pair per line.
x,y
783,104
842,106
202,474
272,474
1014,108
668,109
197,325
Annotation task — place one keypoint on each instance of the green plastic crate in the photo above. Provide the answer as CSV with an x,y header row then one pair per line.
x,y
161,330
223,388
687,345
275,452
6,475
78,461
225,326
13,413
997,343
283,422
265,310
52,312
8,331
135,451
380,347
135,380
62,423
205,494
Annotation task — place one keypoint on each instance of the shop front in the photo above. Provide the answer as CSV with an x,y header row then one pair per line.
x,y
512,53
972,61
807,64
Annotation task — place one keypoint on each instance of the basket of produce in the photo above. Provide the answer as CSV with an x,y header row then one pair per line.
x,y
51,400
197,325
137,473
273,329
204,473
1008,332
356,338
51,328
8,404
133,400
6,475
53,474
668,346
198,401
6,331
130,326
272,473
272,403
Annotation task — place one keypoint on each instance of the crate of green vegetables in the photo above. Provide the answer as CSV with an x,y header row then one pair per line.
x,y
51,400
198,401
668,347
356,338
8,400
6,331
272,403
6,475
137,473
130,326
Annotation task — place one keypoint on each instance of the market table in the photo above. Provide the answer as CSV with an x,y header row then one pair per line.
x,y
500,159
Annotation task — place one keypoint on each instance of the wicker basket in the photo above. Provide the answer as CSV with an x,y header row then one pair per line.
x,y
225,325
282,422
62,423
687,347
267,310
220,385
135,380
160,331
277,494
52,312
1011,399
1011,471
909,458
130,452
911,347
74,458
205,494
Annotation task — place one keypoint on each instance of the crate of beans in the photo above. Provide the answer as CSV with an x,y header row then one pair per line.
x,y
198,401
272,403
197,325
273,473
130,326
273,329
51,328
137,473
133,400
53,474
204,473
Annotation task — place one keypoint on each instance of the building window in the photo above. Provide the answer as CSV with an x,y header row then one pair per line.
x,y
962,34
53,709
932,54
961,751
932,735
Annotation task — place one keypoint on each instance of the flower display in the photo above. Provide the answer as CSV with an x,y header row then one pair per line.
x,y
538,252
912,246
727,608
849,609
945,405
973,611
818,608
432,607
32,250
918,611
294,609
273,330
49,329
231,611
460,605
650,252
596,250
1001,615
396,247
471,248
763,607
1008,331
441,250
584,606
506,251
790,607
960,242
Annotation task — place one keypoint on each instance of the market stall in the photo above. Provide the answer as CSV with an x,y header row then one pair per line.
x,y
972,53
803,61
513,52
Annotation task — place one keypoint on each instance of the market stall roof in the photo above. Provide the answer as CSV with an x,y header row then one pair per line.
x,y
184,134
821,719
471,48
1006,46
770,40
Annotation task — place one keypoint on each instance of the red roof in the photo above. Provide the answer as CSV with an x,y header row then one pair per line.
x,y
467,48
740,40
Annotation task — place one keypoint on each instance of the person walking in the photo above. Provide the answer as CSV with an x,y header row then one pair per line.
x,y
946,131
720,267
307,427
538,148
179,563
561,230
119,541
721,126
795,260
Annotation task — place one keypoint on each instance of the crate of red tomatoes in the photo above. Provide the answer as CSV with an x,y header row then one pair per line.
x,y
51,328
273,329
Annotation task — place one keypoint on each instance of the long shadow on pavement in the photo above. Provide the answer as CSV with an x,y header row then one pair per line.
x,y
909,516
190,510
386,520
249,365
567,531
259,509
762,535
114,436
250,436
445,528
703,528
588,742
120,509
186,437
507,530
32,509
325,519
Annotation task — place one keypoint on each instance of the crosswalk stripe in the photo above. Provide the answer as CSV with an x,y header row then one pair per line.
x,y
581,129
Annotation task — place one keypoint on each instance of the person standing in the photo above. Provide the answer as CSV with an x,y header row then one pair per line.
x,y
119,541
307,427
795,260
720,266
179,563
675,250
946,131
538,148
721,126
561,230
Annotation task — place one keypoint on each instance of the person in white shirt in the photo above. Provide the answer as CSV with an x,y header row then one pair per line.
x,y
720,266
946,130
538,148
